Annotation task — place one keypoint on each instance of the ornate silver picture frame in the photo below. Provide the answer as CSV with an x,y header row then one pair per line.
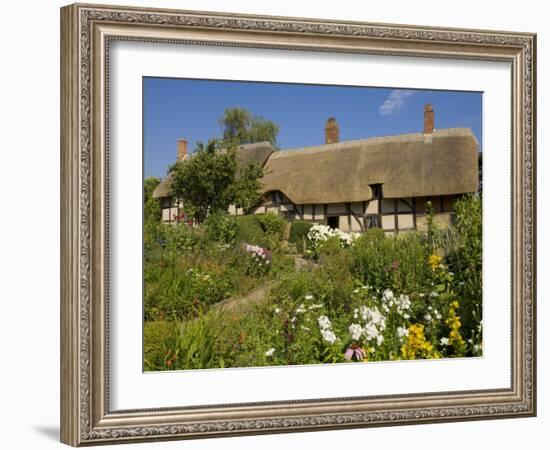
x,y
87,33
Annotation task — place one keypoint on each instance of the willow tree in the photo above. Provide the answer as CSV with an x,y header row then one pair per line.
x,y
242,127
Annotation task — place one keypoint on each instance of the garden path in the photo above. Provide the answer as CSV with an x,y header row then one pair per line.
x,y
255,296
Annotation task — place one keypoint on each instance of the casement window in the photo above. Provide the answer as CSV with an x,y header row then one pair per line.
x,y
276,198
372,221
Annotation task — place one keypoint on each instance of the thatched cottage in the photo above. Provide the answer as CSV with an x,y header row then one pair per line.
x,y
354,185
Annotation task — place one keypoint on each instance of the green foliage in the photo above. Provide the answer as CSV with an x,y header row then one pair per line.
x,y
178,237
205,182
212,180
172,291
298,234
151,211
329,247
190,345
374,234
250,230
465,261
222,228
265,230
399,263
427,290
246,191
273,227
431,226
242,127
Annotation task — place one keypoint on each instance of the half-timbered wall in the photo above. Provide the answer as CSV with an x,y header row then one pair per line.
x,y
392,215
170,209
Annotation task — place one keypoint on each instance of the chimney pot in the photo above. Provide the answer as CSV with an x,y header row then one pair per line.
x,y
332,132
428,119
182,150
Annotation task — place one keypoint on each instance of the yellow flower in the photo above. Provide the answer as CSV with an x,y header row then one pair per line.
x,y
417,346
435,261
453,321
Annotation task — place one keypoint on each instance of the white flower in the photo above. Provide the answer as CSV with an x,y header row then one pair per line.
x,y
379,339
406,316
309,297
305,328
320,305
355,330
355,291
355,313
328,336
277,310
477,348
444,341
324,322
402,332
434,294
387,295
403,303
428,318
270,352
437,315
371,332
300,309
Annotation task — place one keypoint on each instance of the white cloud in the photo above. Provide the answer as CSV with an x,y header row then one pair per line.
x,y
394,102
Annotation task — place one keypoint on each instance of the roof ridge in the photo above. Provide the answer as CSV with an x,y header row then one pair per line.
x,y
376,140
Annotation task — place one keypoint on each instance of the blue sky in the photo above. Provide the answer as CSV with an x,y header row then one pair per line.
x,y
190,109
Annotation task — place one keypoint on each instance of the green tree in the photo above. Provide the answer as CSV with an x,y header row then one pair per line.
x,y
212,180
241,127
151,206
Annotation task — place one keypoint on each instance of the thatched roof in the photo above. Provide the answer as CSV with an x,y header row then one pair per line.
x,y
408,165
164,188
258,152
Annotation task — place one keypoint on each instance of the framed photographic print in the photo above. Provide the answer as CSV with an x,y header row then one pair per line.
x,y
276,224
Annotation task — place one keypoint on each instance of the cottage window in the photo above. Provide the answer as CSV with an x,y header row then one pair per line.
x,y
376,191
276,198
372,222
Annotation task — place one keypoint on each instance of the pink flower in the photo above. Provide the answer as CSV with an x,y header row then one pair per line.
x,y
354,352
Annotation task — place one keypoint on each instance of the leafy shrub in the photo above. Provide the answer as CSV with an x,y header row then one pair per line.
x,y
273,227
265,230
298,234
221,228
398,262
172,290
374,234
249,230
178,237
319,233
464,258
329,247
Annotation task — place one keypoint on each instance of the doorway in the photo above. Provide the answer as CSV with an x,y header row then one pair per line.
x,y
333,221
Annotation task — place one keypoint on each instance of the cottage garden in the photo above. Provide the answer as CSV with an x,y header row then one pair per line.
x,y
327,296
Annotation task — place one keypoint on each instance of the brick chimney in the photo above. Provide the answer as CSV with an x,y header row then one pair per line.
x,y
182,150
428,119
332,132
